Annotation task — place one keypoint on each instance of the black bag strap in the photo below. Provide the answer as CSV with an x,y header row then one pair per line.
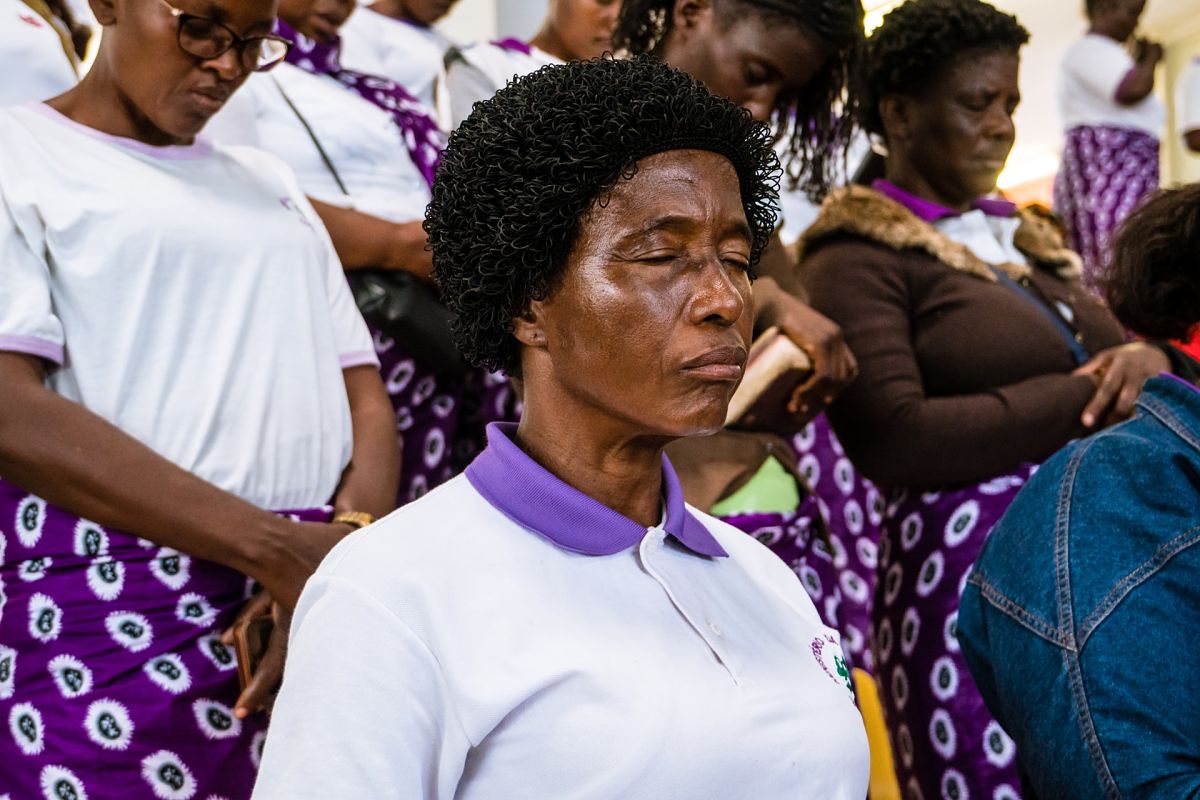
x,y
1035,298
316,142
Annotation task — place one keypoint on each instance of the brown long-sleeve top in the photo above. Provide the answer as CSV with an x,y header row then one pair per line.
x,y
961,379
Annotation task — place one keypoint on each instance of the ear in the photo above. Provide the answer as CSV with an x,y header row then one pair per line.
x,y
529,326
104,10
687,15
895,110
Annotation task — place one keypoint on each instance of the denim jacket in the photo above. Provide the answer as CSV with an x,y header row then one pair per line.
x,y
1081,619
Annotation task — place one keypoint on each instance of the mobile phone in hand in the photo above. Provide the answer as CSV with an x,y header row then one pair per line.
x,y
250,637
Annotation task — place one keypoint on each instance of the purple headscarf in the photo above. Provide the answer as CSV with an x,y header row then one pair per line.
x,y
424,140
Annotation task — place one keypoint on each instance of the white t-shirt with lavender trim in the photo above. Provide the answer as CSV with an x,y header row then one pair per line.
x,y
188,295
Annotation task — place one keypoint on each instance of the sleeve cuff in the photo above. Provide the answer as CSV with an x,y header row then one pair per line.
x,y
359,358
34,346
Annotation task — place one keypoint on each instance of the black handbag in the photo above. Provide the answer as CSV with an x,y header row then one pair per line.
x,y
395,302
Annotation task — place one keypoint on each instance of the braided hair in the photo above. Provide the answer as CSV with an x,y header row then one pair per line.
x,y
921,38
521,172
817,120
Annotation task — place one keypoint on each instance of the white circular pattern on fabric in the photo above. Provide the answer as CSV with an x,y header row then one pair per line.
x,y
3,552
929,498
943,678
256,748
885,640
59,783
854,587
419,487
30,519
892,580
169,673
1005,792
400,376
45,618
130,630
910,531
106,578
404,419
843,476
3,598
108,724
25,725
443,406
931,573
954,786
8,672
897,499
874,506
998,486
820,549
910,631
832,603
146,544
71,676
835,444
34,569
962,523
812,582
195,609
216,720
950,632
852,513
172,568
218,654
90,539
424,390
900,687
998,746
852,637
867,552
942,734
769,535
810,468
806,438
435,447
168,776
904,743
382,342
837,551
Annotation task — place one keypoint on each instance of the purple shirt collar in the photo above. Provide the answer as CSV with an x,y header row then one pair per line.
x,y
525,492
930,211
514,45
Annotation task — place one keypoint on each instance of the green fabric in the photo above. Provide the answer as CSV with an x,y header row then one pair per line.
x,y
772,490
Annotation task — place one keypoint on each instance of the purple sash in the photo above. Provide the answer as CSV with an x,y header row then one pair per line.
x,y
424,140
113,682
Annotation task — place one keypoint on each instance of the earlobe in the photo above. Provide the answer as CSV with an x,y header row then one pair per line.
x,y
688,13
528,328
893,112
104,10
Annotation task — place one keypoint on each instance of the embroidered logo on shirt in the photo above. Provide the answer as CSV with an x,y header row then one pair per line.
x,y
828,653
290,205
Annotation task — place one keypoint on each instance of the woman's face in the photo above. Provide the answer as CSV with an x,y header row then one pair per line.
x,y
585,27
427,12
319,20
649,326
170,94
1118,18
743,57
956,133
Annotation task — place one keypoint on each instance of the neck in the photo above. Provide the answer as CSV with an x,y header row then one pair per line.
x,y
548,40
901,173
592,453
393,9
1101,29
98,103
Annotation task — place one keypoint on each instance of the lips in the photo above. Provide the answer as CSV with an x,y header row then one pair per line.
x,y
211,99
723,363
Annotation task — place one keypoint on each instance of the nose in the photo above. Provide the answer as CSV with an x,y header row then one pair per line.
x,y
1000,124
609,19
720,295
228,65
761,104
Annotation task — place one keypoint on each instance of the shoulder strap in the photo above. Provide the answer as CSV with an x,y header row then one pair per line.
x,y
1069,335
316,142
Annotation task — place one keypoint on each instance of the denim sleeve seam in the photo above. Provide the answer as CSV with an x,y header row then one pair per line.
x,y
1083,715
1018,614
1144,572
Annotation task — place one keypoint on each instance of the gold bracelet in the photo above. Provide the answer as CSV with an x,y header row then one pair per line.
x,y
355,519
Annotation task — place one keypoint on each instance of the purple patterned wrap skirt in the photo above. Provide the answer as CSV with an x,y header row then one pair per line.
x,y
1106,173
113,682
946,743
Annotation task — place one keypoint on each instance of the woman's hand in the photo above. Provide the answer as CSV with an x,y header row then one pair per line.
x,y
259,693
1119,373
294,557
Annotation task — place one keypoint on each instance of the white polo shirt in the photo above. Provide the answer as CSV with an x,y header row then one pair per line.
x,y
477,72
507,636
33,63
1092,70
188,295
407,53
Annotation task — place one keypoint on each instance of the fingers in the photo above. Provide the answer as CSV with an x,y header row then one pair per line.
x,y
260,691
256,606
1102,399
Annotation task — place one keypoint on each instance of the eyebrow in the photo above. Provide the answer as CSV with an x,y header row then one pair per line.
x,y
210,10
677,222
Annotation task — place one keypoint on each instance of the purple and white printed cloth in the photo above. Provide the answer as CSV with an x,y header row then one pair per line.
x,y
113,682
945,742
1105,175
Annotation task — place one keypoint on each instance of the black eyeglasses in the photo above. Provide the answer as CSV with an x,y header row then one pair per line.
x,y
207,39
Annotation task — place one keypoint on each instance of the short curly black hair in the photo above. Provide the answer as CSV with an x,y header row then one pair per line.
x,y
1153,276
521,171
922,37
819,119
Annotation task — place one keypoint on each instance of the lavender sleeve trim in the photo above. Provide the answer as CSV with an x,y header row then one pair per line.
x,y
359,358
34,346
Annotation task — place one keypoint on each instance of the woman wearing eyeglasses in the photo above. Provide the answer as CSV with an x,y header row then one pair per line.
x,y
178,354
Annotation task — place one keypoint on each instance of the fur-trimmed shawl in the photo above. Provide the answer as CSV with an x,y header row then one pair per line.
x,y
867,214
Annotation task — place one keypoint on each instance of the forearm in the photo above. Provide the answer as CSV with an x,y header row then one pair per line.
x,y
72,458
1137,84
363,241
369,482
